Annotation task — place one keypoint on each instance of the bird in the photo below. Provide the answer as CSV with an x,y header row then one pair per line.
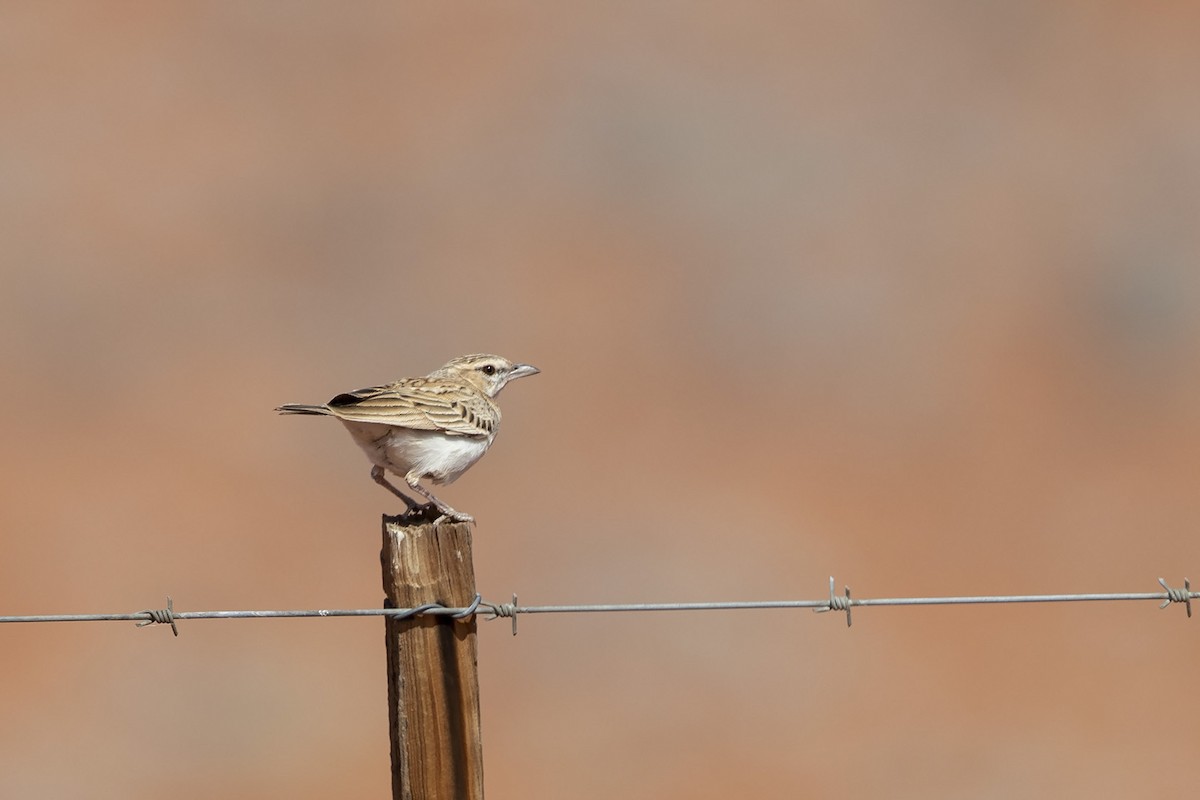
x,y
433,427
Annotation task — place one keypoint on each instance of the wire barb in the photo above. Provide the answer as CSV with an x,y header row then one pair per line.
x,y
1183,595
161,616
509,610
837,603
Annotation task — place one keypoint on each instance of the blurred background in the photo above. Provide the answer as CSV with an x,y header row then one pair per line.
x,y
905,294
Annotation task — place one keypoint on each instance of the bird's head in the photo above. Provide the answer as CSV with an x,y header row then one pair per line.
x,y
487,373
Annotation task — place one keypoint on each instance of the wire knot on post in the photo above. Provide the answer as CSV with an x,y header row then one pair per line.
x,y
468,612
837,603
161,616
1183,595
438,610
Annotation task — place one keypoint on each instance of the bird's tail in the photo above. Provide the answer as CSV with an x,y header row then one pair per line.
x,y
299,408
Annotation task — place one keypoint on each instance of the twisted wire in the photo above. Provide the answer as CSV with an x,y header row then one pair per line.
x,y
164,616
1183,595
834,602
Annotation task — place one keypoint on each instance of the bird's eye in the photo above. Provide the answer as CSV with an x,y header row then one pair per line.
x,y
488,369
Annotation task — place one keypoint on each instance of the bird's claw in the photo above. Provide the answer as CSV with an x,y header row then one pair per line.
x,y
433,514
450,515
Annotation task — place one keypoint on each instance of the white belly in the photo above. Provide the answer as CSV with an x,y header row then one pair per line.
x,y
428,454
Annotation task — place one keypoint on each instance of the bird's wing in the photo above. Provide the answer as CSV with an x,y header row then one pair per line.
x,y
424,404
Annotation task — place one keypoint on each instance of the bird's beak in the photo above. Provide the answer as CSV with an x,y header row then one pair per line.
x,y
521,370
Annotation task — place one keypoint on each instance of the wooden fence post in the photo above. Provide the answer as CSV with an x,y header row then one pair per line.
x,y
433,685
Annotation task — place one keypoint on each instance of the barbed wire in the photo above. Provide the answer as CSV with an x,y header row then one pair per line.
x,y
835,602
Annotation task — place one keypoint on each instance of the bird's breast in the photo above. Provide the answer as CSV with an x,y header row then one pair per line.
x,y
433,454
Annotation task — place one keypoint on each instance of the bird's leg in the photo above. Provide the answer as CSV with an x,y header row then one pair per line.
x,y
447,512
379,477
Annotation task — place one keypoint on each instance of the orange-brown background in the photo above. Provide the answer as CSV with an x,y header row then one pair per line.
x,y
901,293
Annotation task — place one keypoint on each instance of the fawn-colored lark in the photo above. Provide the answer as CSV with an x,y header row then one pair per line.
x,y
433,427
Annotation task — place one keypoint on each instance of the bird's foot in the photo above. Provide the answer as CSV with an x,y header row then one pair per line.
x,y
433,513
448,514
